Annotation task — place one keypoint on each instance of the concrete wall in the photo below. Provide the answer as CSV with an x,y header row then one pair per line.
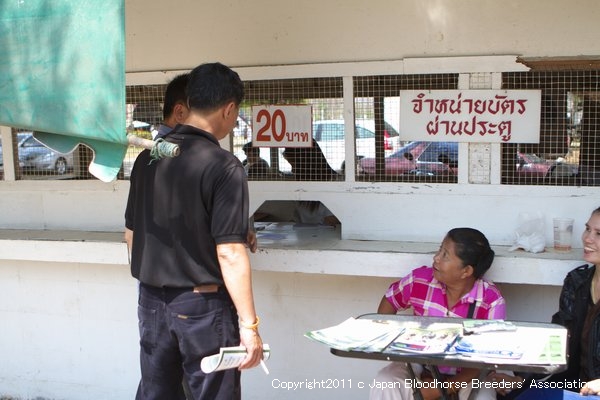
x,y
180,34
368,211
70,330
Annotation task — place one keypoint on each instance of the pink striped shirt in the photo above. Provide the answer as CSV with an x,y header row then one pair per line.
x,y
427,296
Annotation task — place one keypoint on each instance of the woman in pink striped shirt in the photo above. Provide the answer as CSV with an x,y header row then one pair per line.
x,y
452,287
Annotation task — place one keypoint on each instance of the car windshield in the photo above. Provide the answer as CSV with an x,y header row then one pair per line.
x,y
437,149
363,133
535,158
21,137
389,129
406,149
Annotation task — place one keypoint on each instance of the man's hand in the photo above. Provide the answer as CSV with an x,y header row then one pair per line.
x,y
237,275
252,341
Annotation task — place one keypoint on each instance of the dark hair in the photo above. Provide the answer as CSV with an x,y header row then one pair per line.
x,y
473,248
213,85
175,93
596,211
249,147
309,163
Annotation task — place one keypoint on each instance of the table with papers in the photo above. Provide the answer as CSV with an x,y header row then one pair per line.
x,y
506,345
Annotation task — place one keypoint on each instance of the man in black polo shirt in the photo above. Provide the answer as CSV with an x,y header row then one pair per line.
x,y
187,224
175,110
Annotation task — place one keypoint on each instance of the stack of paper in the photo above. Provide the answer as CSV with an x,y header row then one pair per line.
x,y
358,334
431,340
490,345
487,325
525,345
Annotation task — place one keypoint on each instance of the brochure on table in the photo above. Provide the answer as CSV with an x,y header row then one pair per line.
x,y
497,340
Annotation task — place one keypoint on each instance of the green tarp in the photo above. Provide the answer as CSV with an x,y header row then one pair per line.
x,y
62,72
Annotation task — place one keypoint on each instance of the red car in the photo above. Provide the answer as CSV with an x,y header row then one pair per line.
x,y
434,158
529,164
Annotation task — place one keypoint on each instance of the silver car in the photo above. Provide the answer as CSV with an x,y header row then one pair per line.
x,y
34,156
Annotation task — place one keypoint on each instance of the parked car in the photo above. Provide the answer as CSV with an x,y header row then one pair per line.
x,y
34,156
529,164
532,165
331,134
425,158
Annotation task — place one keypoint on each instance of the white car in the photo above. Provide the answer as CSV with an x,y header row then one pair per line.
x,y
330,135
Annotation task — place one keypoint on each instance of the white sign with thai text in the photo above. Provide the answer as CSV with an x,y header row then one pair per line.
x,y
491,116
282,126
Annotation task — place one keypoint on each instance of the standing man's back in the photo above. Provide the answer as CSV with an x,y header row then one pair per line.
x,y
187,224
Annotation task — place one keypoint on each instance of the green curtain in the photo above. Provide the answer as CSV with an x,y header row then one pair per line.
x,y
62,75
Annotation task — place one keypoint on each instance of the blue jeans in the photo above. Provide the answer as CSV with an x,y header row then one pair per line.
x,y
177,329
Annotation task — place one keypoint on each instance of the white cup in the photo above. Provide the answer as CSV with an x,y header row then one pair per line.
x,y
563,234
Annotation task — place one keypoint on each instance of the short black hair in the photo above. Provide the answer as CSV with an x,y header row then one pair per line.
x,y
175,93
473,248
213,85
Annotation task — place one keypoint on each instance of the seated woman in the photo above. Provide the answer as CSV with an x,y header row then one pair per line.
x,y
579,312
452,287
579,308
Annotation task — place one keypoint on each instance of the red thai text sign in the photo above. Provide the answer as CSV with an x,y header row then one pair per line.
x,y
282,126
496,116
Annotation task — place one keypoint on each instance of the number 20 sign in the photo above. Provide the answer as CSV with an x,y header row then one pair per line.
x,y
282,126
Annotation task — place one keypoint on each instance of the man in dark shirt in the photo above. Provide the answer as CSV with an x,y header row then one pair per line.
x,y
256,167
187,224
175,109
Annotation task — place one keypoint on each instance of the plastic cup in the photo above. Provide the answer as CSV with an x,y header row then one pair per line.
x,y
563,234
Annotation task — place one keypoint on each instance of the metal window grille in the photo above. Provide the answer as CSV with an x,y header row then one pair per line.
x,y
144,105
390,159
34,161
568,152
324,161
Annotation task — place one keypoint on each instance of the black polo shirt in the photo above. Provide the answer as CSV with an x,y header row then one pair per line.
x,y
180,208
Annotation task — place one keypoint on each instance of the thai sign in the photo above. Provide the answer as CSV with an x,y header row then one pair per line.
x,y
497,116
282,126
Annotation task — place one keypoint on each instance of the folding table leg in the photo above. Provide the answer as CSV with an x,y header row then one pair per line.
x,y
482,374
438,377
416,392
